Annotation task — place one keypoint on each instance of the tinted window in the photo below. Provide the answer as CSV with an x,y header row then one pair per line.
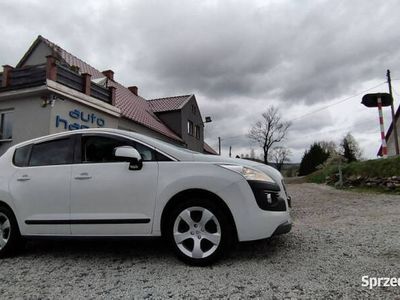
x,y
161,157
21,156
57,152
98,149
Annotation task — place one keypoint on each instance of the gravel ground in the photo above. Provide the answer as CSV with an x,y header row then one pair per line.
x,y
338,237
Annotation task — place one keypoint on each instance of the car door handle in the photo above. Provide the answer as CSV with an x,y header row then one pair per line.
x,y
24,178
83,176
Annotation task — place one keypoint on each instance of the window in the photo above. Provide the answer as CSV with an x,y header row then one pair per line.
x,y
6,119
197,132
56,152
190,127
21,156
100,149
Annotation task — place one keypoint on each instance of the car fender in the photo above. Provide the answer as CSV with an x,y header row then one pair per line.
x,y
176,177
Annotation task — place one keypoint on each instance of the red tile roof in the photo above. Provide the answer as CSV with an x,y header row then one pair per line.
x,y
169,103
132,107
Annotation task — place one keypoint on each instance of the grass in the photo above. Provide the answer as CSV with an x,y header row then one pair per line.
x,y
369,168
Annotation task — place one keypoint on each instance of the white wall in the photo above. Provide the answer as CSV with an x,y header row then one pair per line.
x,y
30,119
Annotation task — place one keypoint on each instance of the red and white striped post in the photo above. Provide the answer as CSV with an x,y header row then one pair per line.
x,y
383,138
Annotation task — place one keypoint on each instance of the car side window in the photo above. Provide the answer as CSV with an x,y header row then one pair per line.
x,y
149,154
145,152
55,152
21,156
100,149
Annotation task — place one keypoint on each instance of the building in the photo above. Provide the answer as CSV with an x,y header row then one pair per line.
x,y
51,90
390,140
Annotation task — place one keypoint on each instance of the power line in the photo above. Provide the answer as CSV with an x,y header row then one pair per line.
x,y
320,109
338,102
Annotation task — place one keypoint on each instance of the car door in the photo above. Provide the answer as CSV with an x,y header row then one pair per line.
x,y
107,198
40,186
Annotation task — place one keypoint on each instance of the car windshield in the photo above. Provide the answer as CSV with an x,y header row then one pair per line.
x,y
159,143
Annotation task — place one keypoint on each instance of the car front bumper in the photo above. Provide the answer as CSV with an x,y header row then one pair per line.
x,y
252,222
283,228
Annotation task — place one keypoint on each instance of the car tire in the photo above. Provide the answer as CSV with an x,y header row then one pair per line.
x,y
10,237
200,232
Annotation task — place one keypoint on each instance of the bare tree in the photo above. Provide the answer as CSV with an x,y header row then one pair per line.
x,y
269,130
279,155
350,149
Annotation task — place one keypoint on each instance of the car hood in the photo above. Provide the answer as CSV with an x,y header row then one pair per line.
x,y
275,174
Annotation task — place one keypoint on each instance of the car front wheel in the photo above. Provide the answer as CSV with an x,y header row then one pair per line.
x,y
200,232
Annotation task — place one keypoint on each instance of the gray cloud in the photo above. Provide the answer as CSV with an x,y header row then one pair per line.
x,y
236,56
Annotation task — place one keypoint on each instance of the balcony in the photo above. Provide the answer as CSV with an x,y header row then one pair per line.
x,y
32,76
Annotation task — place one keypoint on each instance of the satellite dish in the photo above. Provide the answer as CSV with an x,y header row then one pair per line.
x,y
371,100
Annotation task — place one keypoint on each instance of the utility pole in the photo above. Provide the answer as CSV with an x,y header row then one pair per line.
x,y
230,151
219,145
396,138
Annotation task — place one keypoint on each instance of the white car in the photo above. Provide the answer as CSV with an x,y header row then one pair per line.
x,y
109,182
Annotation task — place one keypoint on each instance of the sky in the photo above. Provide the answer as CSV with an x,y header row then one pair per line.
x,y
311,59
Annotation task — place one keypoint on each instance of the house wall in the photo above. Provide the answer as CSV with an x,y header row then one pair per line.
x,y
38,56
30,119
187,114
390,142
173,120
68,115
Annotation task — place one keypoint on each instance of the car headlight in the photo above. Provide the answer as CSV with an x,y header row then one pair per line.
x,y
249,173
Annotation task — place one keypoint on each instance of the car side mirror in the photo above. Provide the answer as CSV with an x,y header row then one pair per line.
x,y
129,154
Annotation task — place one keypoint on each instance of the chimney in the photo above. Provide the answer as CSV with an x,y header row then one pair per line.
x,y
134,89
109,74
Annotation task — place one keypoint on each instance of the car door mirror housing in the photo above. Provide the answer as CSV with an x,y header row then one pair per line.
x,y
129,154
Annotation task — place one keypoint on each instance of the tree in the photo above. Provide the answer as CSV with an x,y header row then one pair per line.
x,y
279,155
349,148
269,130
252,153
312,158
328,146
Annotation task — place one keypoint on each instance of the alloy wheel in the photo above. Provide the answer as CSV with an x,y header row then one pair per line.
x,y
197,232
5,230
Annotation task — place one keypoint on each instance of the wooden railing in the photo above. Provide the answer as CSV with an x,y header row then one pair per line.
x,y
16,78
25,77
69,78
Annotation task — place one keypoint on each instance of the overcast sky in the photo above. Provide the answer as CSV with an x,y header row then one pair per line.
x,y
237,57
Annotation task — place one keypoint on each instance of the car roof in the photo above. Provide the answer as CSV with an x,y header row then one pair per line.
x,y
177,152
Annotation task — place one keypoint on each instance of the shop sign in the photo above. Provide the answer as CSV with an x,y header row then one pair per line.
x,y
81,120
